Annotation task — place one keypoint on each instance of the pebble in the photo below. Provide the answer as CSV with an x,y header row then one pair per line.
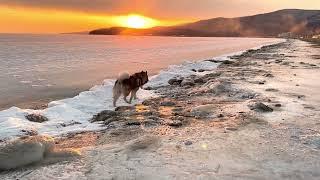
x,y
272,90
220,116
199,80
231,128
262,107
167,103
188,143
175,81
277,105
36,118
175,123
133,123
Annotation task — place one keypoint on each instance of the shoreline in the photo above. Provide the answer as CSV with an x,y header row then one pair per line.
x,y
249,118
22,94
73,114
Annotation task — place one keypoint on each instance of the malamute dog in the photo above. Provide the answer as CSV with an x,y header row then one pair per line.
x,y
127,84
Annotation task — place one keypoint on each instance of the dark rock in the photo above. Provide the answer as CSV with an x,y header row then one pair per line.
x,y
148,102
30,132
154,118
174,123
187,83
167,103
222,87
247,95
36,118
212,75
180,118
220,116
231,128
278,105
188,143
69,124
148,88
187,87
124,108
260,107
150,123
213,60
147,113
268,75
199,80
193,70
272,90
179,109
175,81
227,62
110,120
104,115
306,106
285,63
133,123
201,70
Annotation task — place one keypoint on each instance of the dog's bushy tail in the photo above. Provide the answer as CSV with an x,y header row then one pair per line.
x,y
117,88
122,76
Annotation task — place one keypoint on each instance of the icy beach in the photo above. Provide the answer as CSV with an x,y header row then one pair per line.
x,y
74,114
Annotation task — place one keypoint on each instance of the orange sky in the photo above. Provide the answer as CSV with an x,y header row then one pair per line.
x,y
47,16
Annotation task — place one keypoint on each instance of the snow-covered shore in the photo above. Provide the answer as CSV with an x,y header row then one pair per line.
x,y
256,117
74,114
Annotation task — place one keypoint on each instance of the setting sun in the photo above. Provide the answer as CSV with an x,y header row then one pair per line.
x,y
137,21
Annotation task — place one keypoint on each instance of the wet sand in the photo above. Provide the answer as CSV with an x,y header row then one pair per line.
x,y
256,117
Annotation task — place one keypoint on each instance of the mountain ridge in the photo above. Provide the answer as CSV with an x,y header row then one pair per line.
x,y
296,21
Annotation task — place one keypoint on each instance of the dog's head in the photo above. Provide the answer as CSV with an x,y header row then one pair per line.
x,y
144,77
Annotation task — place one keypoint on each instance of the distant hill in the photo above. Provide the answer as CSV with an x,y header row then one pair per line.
x,y
81,32
301,22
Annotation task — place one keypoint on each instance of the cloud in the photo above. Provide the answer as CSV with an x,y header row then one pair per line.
x,y
176,9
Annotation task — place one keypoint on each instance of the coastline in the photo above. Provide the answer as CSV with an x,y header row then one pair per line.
x,y
33,83
73,114
249,118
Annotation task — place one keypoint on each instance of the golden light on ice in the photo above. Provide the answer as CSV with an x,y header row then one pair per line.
x,y
137,21
204,146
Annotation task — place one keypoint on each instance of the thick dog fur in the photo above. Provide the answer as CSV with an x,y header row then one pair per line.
x,y
127,84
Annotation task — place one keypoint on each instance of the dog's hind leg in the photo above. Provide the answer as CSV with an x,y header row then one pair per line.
x,y
125,95
116,96
134,94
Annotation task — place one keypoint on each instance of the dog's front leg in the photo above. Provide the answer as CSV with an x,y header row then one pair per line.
x,y
125,99
135,94
131,97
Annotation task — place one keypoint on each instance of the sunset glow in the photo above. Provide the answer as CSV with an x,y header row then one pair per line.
x,y
24,20
59,16
137,21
